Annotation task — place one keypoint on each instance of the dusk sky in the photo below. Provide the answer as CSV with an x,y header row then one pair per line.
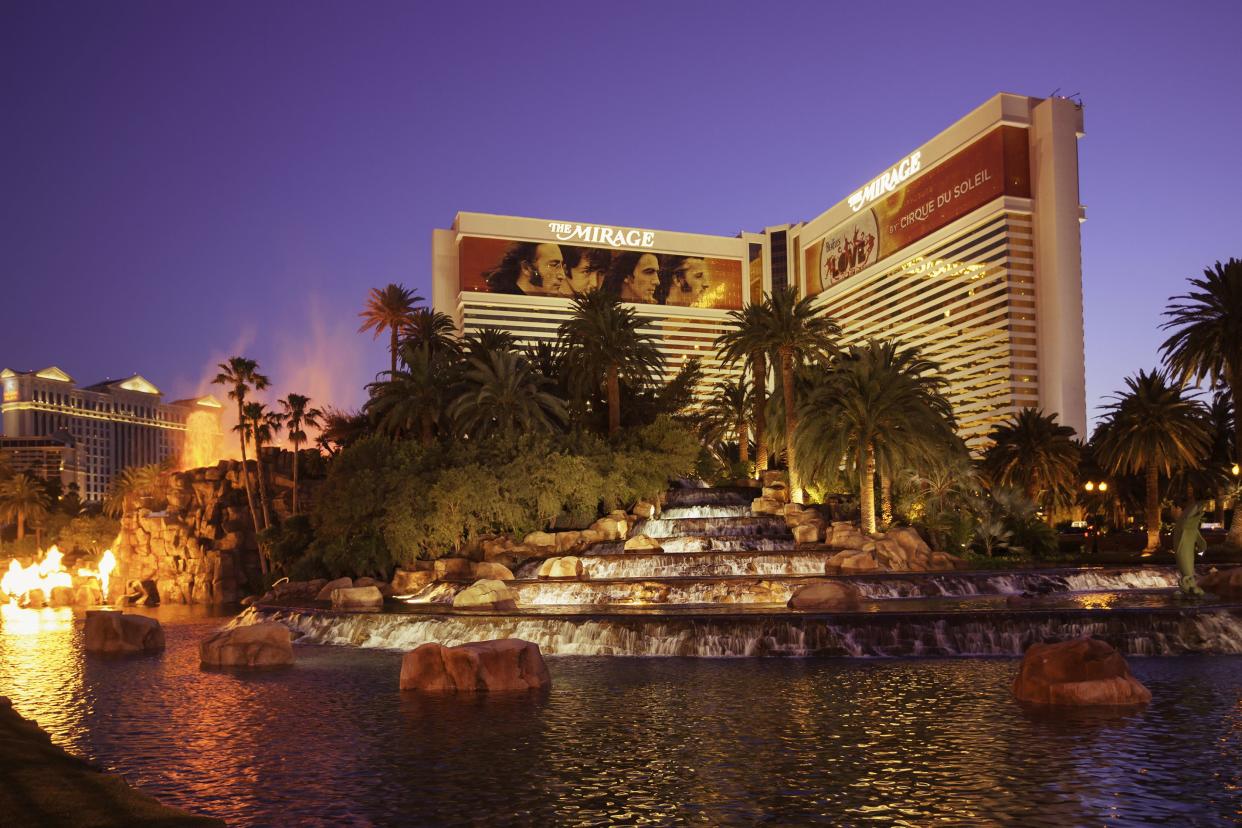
x,y
180,182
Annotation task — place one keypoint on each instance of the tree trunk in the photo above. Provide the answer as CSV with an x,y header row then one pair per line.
x,y
245,469
614,401
743,441
1153,509
392,347
258,462
866,491
759,366
426,434
21,525
791,425
1234,538
295,478
886,498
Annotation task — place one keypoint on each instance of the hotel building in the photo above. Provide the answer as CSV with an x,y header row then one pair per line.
x,y
967,247
89,435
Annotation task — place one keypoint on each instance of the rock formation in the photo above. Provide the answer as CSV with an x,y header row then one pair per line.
x,y
359,597
201,549
1227,583
824,596
486,594
506,665
266,644
116,633
1084,671
566,568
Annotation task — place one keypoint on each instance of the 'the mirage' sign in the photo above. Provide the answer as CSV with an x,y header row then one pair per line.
x,y
594,234
887,182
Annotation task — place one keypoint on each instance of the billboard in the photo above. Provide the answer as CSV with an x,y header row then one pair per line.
x,y
552,268
994,165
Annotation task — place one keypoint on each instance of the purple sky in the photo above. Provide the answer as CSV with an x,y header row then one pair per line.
x,y
182,181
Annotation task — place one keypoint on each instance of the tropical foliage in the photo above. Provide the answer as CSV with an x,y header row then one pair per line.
x,y
1034,453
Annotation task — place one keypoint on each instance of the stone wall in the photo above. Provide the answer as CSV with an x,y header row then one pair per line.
x,y
202,548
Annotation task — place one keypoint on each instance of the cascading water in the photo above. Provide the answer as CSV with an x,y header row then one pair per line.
x,y
719,584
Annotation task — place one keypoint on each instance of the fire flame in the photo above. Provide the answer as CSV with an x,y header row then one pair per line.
x,y
49,573
102,571
202,441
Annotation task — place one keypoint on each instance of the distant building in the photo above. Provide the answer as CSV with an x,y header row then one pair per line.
x,y
88,435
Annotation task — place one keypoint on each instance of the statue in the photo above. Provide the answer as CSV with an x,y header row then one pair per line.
x,y
1187,542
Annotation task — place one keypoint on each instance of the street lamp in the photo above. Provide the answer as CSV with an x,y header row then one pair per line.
x,y
1234,470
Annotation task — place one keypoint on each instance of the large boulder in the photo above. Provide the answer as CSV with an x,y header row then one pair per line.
x,y
266,644
851,561
642,543
454,569
1227,583
809,532
405,582
767,506
567,541
115,633
778,491
644,510
825,596
486,594
612,528
910,541
846,535
566,568
325,593
492,571
507,665
540,540
1084,671
362,597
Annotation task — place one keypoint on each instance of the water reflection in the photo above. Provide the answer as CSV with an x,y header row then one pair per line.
x,y
632,740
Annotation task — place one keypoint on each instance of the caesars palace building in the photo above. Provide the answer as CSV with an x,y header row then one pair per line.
x,y
968,247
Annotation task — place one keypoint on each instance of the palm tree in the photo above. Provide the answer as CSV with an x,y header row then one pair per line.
x,y
410,401
432,328
604,345
263,426
747,344
1031,451
135,483
1207,342
341,428
1151,428
240,375
297,416
392,310
486,340
22,498
878,406
727,412
501,393
793,331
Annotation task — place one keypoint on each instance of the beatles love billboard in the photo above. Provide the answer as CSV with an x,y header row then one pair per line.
x,y
996,164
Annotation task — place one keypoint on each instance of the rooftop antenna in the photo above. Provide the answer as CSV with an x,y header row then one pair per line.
x,y
1054,92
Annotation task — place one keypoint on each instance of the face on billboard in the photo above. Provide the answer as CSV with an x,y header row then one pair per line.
x,y
638,276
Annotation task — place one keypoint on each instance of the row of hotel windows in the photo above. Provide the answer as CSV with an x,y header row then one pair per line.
x,y
149,411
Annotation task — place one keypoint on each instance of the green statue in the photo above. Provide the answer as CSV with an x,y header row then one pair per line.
x,y
1187,542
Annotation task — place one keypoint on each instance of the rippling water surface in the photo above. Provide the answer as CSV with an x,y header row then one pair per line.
x,y
332,741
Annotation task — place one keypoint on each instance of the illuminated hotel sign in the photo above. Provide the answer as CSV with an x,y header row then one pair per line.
x,y
594,234
886,183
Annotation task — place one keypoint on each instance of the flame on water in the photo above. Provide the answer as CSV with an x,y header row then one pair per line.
x,y
102,571
46,574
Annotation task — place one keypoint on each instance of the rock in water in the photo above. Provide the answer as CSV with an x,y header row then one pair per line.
x,y
409,583
325,593
107,631
267,644
1084,671
362,597
487,666
825,596
486,594
566,568
1227,583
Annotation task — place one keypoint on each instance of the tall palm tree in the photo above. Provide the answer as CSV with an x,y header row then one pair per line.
x,y
747,344
501,393
298,416
240,375
1033,452
390,309
727,412
1207,342
22,498
604,345
412,400
341,429
432,328
486,340
797,335
1152,428
135,483
877,406
263,426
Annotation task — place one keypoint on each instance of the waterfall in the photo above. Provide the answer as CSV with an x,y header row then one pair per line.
x,y
775,634
690,564
752,526
720,496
